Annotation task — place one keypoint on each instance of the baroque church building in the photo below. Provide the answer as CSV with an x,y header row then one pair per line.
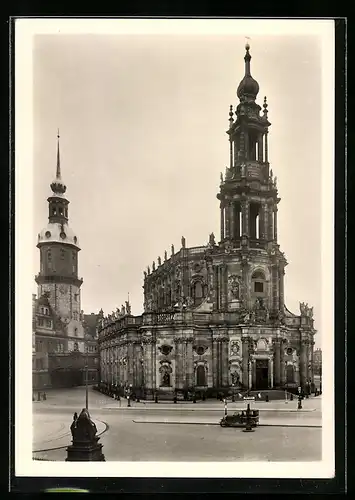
x,y
63,341
215,316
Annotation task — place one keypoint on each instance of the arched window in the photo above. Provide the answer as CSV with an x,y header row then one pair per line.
x,y
49,256
258,282
62,253
200,376
290,374
76,346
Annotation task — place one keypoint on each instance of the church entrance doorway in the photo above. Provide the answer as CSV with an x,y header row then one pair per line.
x,y
262,374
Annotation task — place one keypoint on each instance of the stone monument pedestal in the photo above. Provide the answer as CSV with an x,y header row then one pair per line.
x,y
85,447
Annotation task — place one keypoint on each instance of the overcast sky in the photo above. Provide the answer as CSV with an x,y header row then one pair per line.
x,y
142,122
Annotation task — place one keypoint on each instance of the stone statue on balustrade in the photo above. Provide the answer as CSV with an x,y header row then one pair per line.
x,y
123,310
212,240
183,242
128,307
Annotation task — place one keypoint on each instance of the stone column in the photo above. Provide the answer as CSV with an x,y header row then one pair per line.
x,y
270,222
245,359
245,206
154,360
303,363
282,364
227,220
271,372
266,152
232,220
277,364
260,148
244,287
222,222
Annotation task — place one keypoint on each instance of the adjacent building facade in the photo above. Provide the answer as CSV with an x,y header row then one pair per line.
x,y
215,315
63,342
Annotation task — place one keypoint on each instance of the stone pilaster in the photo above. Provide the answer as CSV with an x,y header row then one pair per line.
x,y
225,359
270,220
275,223
245,362
223,286
227,220
222,222
303,363
281,288
190,361
282,363
277,363
215,287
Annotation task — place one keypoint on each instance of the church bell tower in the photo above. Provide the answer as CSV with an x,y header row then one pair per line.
x,y
249,198
59,248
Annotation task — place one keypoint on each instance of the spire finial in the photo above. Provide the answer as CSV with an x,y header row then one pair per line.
x,y
247,45
231,116
265,105
58,174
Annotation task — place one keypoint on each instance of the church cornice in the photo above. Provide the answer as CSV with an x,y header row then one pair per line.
x,y
68,280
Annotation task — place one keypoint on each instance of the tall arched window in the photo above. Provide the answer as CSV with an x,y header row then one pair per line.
x,y
257,226
200,376
197,293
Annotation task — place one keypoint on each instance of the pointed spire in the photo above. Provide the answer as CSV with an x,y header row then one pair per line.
x,y
58,175
57,186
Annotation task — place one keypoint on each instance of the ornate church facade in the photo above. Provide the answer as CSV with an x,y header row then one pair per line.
x,y
215,316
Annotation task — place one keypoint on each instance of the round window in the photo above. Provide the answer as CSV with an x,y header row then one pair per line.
x,y
63,235
48,234
289,351
200,350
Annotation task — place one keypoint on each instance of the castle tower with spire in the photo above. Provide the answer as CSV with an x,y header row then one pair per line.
x,y
59,248
215,318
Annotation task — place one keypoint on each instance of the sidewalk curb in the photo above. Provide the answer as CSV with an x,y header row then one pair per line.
x,y
217,423
132,408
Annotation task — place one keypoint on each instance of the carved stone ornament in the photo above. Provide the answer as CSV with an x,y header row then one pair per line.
x,y
234,285
200,349
235,348
165,349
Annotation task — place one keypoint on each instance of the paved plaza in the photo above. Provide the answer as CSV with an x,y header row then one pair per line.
x,y
184,431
